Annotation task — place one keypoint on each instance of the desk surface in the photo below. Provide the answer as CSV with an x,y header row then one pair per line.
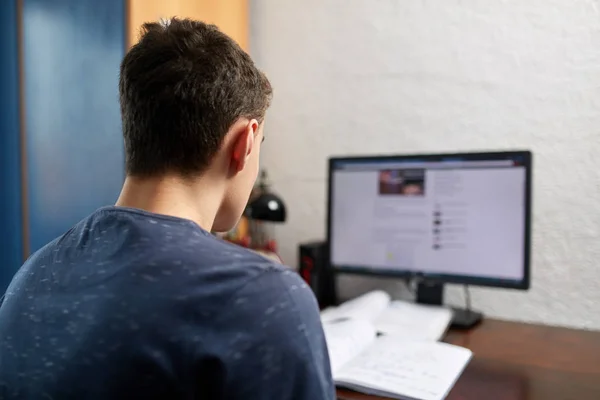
x,y
515,361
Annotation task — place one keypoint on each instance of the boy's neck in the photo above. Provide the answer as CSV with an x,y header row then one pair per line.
x,y
197,200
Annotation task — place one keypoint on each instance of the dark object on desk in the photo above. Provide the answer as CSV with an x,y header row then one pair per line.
x,y
315,271
465,318
265,205
516,361
419,224
433,294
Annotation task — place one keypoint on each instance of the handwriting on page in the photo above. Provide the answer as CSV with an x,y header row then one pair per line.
x,y
400,373
419,370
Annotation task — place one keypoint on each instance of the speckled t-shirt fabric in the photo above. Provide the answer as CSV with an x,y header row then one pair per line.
x,y
133,305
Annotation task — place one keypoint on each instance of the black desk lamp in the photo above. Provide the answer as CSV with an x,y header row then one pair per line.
x,y
265,205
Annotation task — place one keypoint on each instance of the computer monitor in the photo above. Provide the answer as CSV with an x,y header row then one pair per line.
x,y
444,218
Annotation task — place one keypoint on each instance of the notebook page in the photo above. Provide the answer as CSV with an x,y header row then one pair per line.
x,y
414,321
366,307
347,339
407,369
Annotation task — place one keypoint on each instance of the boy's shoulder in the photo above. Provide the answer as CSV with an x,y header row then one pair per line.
x,y
237,283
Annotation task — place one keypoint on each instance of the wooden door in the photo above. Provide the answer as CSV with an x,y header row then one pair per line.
x,y
231,16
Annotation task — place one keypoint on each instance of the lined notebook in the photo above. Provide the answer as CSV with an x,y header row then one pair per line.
x,y
392,352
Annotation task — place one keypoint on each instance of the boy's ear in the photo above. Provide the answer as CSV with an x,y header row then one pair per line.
x,y
244,143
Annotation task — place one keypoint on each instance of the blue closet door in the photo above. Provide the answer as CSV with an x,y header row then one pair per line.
x,y
75,160
11,251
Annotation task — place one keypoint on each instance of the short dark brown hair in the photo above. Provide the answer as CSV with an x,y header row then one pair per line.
x,y
181,88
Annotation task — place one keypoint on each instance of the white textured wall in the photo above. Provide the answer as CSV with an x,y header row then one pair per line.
x,y
394,76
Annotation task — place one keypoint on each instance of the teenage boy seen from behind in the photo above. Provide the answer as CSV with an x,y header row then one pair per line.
x,y
139,300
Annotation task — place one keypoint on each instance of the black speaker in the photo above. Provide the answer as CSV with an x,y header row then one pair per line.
x,y
314,269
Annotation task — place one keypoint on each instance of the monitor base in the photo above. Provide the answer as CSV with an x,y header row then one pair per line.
x,y
463,318
432,293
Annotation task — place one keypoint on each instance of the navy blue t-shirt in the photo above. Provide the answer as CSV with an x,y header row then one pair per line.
x,y
134,305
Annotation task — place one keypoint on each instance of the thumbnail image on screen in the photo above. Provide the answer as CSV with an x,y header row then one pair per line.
x,y
402,182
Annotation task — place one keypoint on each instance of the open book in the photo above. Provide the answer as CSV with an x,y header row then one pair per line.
x,y
369,356
398,318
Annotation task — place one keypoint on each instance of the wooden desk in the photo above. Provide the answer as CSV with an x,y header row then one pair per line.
x,y
514,361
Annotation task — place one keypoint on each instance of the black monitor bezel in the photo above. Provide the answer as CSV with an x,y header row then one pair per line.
x,y
523,284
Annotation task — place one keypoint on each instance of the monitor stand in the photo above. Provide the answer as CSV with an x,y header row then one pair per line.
x,y
433,294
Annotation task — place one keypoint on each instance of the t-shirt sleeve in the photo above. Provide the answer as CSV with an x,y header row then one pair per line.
x,y
280,353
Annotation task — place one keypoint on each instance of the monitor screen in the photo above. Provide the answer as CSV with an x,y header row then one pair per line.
x,y
453,218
